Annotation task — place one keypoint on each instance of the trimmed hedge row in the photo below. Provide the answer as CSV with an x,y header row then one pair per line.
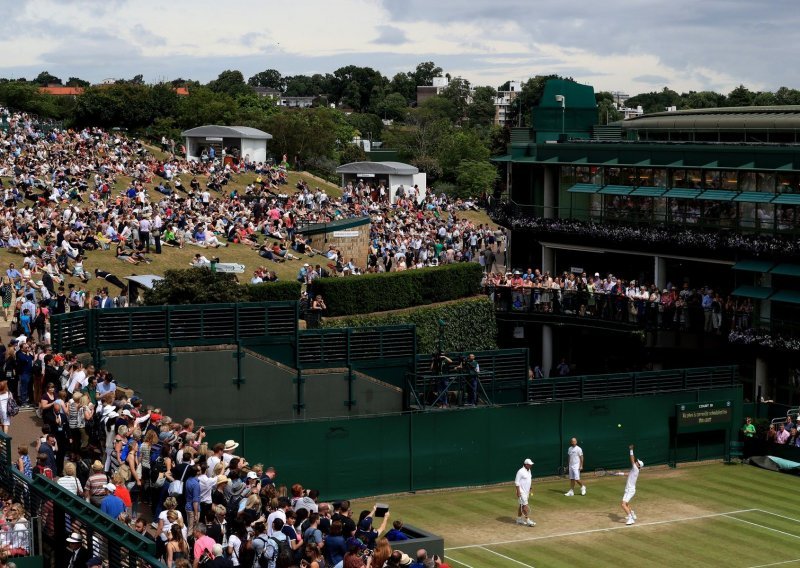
x,y
470,324
398,290
273,291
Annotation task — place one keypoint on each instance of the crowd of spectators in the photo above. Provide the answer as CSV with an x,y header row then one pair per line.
x,y
161,477
64,198
652,234
608,297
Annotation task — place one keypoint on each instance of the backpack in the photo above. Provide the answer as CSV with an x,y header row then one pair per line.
x,y
262,560
282,547
233,506
38,367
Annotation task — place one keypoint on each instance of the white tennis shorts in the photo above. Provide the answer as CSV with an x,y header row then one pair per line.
x,y
575,473
523,499
629,493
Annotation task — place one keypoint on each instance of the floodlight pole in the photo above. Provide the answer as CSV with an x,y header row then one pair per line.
x,y
563,100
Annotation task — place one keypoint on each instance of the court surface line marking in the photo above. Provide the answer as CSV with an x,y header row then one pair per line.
x,y
762,526
458,561
779,515
776,563
506,557
607,529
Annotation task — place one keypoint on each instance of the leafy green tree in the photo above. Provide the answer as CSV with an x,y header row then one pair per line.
x,y
368,125
458,92
481,111
740,96
355,86
403,84
230,83
47,78
309,133
429,166
437,108
26,97
457,146
475,178
424,73
204,106
656,101
787,96
764,98
270,78
123,105
195,286
703,99
77,82
352,153
392,107
606,111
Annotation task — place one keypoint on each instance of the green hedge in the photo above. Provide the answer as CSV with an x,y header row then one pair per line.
x,y
398,290
273,291
469,324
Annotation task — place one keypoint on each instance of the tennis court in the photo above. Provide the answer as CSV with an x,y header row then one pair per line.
x,y
696,515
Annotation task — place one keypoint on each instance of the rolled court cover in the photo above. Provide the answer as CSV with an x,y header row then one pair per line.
x,y
776,464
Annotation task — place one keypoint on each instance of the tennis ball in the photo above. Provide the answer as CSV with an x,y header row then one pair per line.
x,y
619,425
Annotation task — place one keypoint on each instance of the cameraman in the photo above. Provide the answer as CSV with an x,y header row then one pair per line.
x,y
473,368
439,367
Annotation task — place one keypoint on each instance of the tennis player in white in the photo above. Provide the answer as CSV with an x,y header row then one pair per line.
x,y
575,454
523,485
630,487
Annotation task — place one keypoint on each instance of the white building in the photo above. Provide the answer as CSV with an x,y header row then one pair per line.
x,y
503,100
391,174
235,141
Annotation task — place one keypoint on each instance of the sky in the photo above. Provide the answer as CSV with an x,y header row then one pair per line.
x,y
614,45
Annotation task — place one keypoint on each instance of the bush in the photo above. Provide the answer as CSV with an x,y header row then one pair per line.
x,y
449,189
469,324
398,290
273,291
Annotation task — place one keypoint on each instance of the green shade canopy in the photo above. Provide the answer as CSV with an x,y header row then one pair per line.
x,y
786,269
584,188
506,158
787,199
718,195
616,190
683,193
648,191
754,197
760,266
787,296
755,292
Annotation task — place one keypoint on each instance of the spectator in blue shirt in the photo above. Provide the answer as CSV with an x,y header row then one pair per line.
x,y
396,533
112,505
191,490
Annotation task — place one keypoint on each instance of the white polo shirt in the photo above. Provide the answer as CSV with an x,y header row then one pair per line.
x,y
575,454
523,480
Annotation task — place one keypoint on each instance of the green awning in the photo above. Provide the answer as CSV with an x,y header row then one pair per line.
x,y
760,266
711,165
649,191
644,163
611,162
786,269
755,292
718,195
788,296
675,164
789,166
754,197
787,199
616,190
583,188
506,158
683,193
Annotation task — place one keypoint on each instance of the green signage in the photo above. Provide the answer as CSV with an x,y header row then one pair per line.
x,y
704,416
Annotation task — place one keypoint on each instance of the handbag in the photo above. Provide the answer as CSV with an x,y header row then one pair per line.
x,y
12,408
176,487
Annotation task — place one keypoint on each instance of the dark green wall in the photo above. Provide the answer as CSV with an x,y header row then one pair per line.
x,y
206,392
406,452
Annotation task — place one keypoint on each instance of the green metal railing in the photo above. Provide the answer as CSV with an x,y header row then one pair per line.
x,y
630,384
62,513
332,346
174,326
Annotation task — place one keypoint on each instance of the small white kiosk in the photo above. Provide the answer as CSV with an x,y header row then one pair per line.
x,y
236,141
391,174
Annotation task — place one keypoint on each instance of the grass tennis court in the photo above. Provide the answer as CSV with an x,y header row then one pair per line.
x,y
696,515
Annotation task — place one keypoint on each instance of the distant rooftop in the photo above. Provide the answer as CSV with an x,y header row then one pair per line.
x,y
395,168
215,131
723,118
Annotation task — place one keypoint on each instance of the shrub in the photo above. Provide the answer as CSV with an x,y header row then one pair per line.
x,y
273,291
469,324
398,290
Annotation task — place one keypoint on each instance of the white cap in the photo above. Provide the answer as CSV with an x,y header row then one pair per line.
x,y
252,475
640,463
110,487
528,461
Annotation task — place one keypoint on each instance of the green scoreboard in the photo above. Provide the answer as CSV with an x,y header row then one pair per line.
x,y
703,416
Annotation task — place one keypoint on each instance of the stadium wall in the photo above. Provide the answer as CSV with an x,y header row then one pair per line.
x,y
478,446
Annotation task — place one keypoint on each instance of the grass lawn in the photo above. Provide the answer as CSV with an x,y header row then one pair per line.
x,y
696,515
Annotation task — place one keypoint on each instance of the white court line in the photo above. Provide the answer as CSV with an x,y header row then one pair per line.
x,y
458,561
776,563
777,515
506,557
607,529
762,526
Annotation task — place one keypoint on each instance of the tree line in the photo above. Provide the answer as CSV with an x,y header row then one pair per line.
x,y
450,137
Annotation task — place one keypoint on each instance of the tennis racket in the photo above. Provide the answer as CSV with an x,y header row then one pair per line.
x,y
601,472
562,471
